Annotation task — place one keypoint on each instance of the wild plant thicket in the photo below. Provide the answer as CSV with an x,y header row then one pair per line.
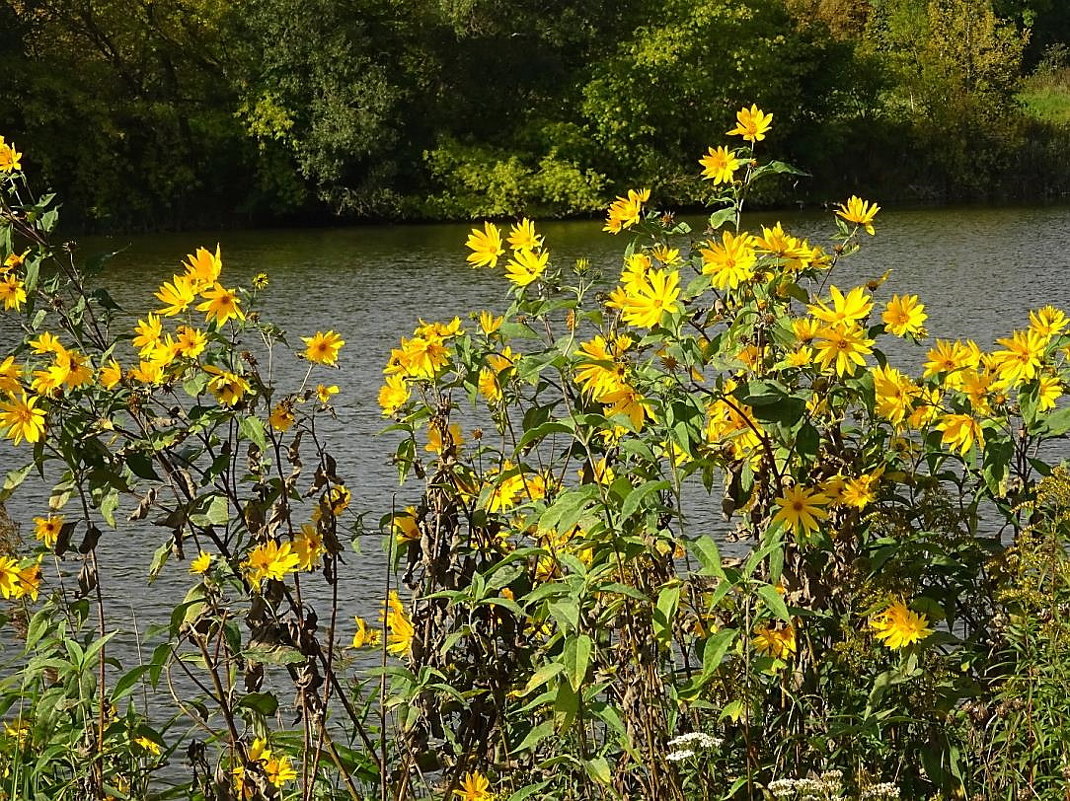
x,y
559,625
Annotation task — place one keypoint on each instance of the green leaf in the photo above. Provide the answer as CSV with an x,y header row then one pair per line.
x,y
108,504
252,429
541,676
567,614
528,791
774,602
535,736
721,216
636,496
12,481
598,769
274,654
576,657
665,613
264,703
706,551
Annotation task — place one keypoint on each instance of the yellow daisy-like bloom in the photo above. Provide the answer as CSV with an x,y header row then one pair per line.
x,y
418,357
400,631
22,419
190,342
46,342
625,212
488,323
228,388
802,356
149,745
147,333
47,529
147,373
602,370
666,255
949,359
859,212
522,236
10,373
844,347
393,394
860,492
14,261
405,526
282,416
364,636
10,159
308,545
960,431
220,304
805,328
1049,390
200,565
905,315
10,582
176,295
261,281
270,560
324,393
778,643
645,303
731,261
719,165
437,442
898,626
280,771
110,374
895,393
751,123
1021,357
526,266
203,267
12,292
853,307
486,246
1048,321
322,347
801,509
474,787
776,242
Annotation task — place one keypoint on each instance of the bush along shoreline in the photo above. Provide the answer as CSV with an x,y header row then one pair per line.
x,y
555,623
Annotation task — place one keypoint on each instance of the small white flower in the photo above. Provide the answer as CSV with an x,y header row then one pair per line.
x,y
695,739
679,756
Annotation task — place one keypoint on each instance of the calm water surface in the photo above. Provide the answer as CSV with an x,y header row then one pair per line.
x,y
979,271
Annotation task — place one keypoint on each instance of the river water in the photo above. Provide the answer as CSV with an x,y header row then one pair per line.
x,y
978,270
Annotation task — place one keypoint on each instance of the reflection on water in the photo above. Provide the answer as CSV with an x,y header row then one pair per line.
x,y
978,271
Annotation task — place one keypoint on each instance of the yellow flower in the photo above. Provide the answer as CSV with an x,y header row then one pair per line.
x,y
950,358
203,267
778,643
719,165
646,302
22,419
486,246
526,266
475,787
324,393
9,376
522,236
400,631
905,315
308,545
405,526
805,328
859,212
47,529
859,492
1021,357
147,373
12,292
365,637
261,281
149,745
220,304
625,212
488,323
842,346
10,582
1049,390
801,508
602,369
176,295
393,394
14,261
751,124
418,357
282,416
850,308
1048,322
803,356
30,580
110,374
279,771
46,342
148,332
960,432
270,561
322,347
898,626
895,393
731,261
10,159
200,565
228,388
437,443
191,342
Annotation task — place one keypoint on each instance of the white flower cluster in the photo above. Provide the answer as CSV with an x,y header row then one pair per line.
x,y
886,791
695,739
827,787
679,756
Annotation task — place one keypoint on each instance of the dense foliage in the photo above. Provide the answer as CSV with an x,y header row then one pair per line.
x,y
182,112
876,610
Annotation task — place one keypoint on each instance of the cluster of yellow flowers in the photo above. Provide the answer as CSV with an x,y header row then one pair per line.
x,y
399,629
10,158
20,578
